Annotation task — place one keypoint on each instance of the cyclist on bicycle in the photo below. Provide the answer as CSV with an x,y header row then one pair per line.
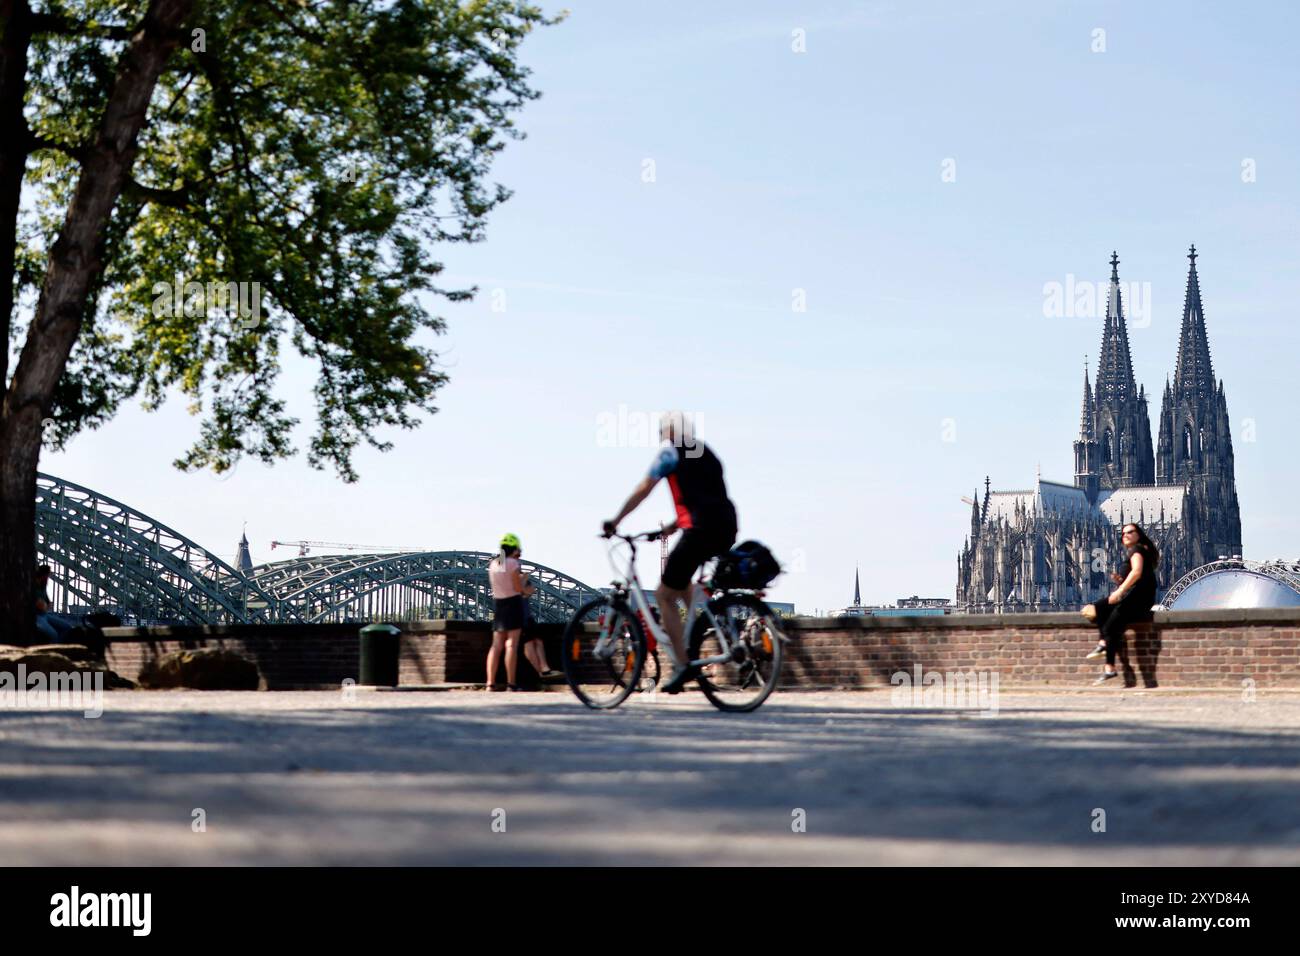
x,y
705,515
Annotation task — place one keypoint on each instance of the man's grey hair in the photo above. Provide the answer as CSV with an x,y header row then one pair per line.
x,y
680,428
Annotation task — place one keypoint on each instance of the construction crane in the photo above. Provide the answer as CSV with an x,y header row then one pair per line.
x,y
304,547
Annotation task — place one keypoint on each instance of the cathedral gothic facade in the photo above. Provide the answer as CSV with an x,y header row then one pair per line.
x,y
1054,546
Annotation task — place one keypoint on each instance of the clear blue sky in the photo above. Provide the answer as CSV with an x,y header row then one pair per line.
x,y
821,171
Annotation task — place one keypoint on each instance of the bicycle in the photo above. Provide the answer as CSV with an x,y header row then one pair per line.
x,y
734,638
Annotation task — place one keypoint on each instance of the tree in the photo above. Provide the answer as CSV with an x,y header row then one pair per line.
x,y
185,185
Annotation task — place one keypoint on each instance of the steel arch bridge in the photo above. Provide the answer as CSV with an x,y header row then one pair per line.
x,y
408,585
104,555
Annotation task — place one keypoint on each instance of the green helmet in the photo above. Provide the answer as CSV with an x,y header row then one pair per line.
x,y
510,542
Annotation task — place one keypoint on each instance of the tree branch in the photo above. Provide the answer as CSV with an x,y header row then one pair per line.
x,y
62,25
36,142
173,198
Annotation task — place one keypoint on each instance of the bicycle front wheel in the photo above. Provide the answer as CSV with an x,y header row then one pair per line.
x,y
753,641
603,661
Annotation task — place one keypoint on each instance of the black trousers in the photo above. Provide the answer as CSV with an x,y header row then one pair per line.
x,y
1112,619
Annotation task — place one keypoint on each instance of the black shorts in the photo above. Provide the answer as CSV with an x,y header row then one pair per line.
x,y
509,614
696,546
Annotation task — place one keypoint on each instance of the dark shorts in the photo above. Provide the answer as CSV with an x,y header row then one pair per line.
x,y
696,546
509,614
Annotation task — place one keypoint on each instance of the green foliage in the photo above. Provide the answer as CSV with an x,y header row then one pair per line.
x,y
318,149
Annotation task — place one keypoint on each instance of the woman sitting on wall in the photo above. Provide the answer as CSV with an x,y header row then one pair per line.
x,y
1128,603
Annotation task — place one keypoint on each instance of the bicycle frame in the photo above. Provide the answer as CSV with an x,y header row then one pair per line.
x,y
631,582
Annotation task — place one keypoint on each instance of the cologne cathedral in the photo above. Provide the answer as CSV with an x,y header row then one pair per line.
x,y
1054,546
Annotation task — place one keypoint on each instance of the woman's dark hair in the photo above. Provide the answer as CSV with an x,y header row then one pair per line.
x,y
1144,544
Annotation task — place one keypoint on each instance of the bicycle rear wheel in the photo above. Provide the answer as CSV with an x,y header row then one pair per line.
x,y
603,661
754,635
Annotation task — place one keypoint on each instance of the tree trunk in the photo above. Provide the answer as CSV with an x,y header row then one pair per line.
x,y
16,504
17,539
16,22
73,265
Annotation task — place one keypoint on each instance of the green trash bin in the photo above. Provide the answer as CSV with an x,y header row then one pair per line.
x,y
379,654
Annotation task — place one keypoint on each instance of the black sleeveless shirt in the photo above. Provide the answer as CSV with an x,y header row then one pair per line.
x,y
1143,594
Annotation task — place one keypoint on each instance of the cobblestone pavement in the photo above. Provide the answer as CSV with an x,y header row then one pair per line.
x,y
431,777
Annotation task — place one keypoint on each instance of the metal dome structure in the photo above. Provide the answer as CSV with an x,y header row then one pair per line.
x,y
1236,583
104,555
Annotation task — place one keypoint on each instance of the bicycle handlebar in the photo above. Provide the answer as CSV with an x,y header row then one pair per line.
x,y
633,538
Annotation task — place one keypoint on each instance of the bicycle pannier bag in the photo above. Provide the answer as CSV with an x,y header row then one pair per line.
x,y
749,565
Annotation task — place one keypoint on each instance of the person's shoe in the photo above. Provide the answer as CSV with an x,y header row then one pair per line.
x,y
513,687
681,676
496,687
551,674
1105,677
1096,652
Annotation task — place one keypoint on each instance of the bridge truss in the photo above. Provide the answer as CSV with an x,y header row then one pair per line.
x,y
105,555
408,586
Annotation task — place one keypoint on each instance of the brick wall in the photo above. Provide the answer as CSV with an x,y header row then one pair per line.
x,y
1180,649
293,656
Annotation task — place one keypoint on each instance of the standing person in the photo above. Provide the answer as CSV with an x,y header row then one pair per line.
x,y
1131,601
509,589
534,650
705,515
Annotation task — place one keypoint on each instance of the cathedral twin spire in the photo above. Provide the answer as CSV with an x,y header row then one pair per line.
x,y
1194,372
1114,447
1194,439
1115,366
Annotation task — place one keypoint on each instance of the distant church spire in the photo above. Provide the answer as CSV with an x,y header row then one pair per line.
x,y
244,560
857,589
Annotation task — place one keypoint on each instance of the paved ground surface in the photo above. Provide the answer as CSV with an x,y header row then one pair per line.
x,y
420,777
